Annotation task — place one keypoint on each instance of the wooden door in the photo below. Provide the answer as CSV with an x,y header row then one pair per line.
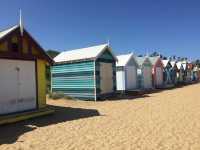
x,y
106,78
18,82
131,77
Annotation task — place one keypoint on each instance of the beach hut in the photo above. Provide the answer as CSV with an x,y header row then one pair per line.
x,y
167,73
22,75
174,72
198,73
187,71
190,71
195,73
157,71
144,73
86,73
184,64
126,72
180,73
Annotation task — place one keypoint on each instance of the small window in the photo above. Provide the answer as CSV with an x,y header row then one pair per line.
x,y
15,47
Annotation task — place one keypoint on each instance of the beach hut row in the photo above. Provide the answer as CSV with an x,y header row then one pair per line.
x,y
90,73
94,73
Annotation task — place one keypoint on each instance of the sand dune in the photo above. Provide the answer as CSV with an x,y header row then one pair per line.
x,y
163,120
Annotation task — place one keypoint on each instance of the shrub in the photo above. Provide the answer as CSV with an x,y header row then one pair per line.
x,y
56,95
68,97
59,95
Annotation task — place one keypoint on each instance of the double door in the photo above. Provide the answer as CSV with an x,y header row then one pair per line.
x,y
17,86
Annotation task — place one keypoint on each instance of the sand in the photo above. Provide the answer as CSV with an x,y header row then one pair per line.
x,y
162,120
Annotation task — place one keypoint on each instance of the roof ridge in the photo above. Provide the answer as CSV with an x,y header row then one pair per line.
x,y
83,48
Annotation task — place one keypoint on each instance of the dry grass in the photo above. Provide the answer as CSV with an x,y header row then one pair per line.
x,y
165,120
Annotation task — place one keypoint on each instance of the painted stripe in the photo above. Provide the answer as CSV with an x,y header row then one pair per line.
x,y
76,79
72,74
75,89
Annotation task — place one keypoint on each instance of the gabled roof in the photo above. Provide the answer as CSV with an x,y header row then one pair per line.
x,y
195,68
173,63
184,66
141,60
184,63
7,31
124,59
153,60
179,65
190,66
88,53
165,62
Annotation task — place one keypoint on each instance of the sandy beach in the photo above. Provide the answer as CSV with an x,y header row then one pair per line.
x,y
161,120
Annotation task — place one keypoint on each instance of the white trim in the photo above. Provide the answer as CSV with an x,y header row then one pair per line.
x,y
103,50
95,88
51,78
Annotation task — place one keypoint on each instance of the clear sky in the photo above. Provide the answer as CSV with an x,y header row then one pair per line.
x,y
171,27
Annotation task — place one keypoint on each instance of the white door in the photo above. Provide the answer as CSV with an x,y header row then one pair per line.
x,y
131,77
159,79
18,86
147,75
106,76
120,80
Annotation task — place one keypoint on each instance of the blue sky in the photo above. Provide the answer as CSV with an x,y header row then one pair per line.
x,y
171,27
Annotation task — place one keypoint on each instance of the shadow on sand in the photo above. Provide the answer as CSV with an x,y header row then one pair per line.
x,y
10,133
177,86
127,96
136,95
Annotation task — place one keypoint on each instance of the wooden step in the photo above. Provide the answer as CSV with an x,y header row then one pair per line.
x,y
12,118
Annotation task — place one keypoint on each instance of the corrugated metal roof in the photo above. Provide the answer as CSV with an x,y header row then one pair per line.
x,y
82,53
123,59
5,32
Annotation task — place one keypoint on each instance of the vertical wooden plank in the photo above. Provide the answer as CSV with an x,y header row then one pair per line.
x,y
41,83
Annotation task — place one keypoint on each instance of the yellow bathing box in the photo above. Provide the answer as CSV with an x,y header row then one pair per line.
x,y
22,76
